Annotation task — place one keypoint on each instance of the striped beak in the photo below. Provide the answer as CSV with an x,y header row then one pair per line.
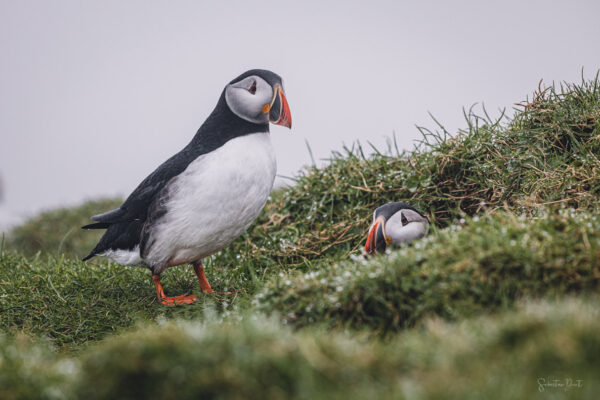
x,y
279,110
377,240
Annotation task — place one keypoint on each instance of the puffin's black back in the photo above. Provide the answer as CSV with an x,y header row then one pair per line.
x,y
270,77
389,209
125,224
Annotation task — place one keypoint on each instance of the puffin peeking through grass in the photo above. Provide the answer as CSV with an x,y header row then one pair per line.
x,y
202,198
393,224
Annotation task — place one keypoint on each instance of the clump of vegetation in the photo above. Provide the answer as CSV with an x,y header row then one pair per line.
x,y
456,272
257,359
511,355
59,231
31,370
250,359
507,356
72,303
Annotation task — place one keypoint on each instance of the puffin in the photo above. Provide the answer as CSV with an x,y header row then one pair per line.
x,y
393,224
201,199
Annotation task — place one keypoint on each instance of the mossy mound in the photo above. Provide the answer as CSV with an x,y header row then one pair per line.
x,y
525,353
456,272
58,231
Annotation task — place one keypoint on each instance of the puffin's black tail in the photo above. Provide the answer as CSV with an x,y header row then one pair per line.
x,y
124,235
96,225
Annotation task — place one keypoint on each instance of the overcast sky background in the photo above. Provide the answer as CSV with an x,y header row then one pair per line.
x,y
95,95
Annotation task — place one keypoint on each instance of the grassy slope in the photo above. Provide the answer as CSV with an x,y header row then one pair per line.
x,y
454,273
58,231
515,178
72,303
501,357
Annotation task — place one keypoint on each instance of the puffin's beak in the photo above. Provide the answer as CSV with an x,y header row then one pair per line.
x,y
377,240
279,110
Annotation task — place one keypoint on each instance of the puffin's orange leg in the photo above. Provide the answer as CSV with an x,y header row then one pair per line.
x,y
204,285
170,301
199,269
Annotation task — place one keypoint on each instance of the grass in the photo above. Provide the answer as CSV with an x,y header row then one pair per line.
x,y
457,272
514,205
30,369
58,231
258,358
509,356
72,303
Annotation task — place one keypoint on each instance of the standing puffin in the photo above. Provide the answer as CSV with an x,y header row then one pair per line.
x,y
202,198
393,224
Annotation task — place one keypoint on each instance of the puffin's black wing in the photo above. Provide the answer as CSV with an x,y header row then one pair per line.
x,y
389,209
124,224
135,208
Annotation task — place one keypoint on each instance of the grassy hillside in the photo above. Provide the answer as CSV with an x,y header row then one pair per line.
x,y
512,355
58,231
514,208
457,272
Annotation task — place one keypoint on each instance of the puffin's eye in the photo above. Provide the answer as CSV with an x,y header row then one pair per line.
x,y
404,220
252,88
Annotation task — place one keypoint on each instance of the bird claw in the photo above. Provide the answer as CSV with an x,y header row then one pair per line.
x,y
172,301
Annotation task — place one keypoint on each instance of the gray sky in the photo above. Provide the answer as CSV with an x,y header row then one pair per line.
x,y
95,95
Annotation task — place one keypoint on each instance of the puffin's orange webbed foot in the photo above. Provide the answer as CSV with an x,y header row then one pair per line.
x,y
171,301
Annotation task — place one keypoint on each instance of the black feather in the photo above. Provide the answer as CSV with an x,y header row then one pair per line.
x,y
389,209
97,225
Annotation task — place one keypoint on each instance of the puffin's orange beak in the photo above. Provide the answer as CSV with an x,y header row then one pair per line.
x,y
377,240
279,110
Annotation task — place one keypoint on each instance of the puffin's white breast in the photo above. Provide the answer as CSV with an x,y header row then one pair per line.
x,y
214,201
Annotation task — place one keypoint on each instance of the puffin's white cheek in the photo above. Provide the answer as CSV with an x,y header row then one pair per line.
x,y
244,104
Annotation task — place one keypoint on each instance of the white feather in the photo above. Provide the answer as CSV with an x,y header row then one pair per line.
x,y
213,201
407,233
124,257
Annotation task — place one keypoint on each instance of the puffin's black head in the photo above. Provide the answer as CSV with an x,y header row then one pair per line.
x,y
402,217
257,96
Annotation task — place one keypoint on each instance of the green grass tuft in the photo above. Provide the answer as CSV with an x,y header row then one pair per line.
x,y
73,303
59,231
505,357
31,370
456,272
